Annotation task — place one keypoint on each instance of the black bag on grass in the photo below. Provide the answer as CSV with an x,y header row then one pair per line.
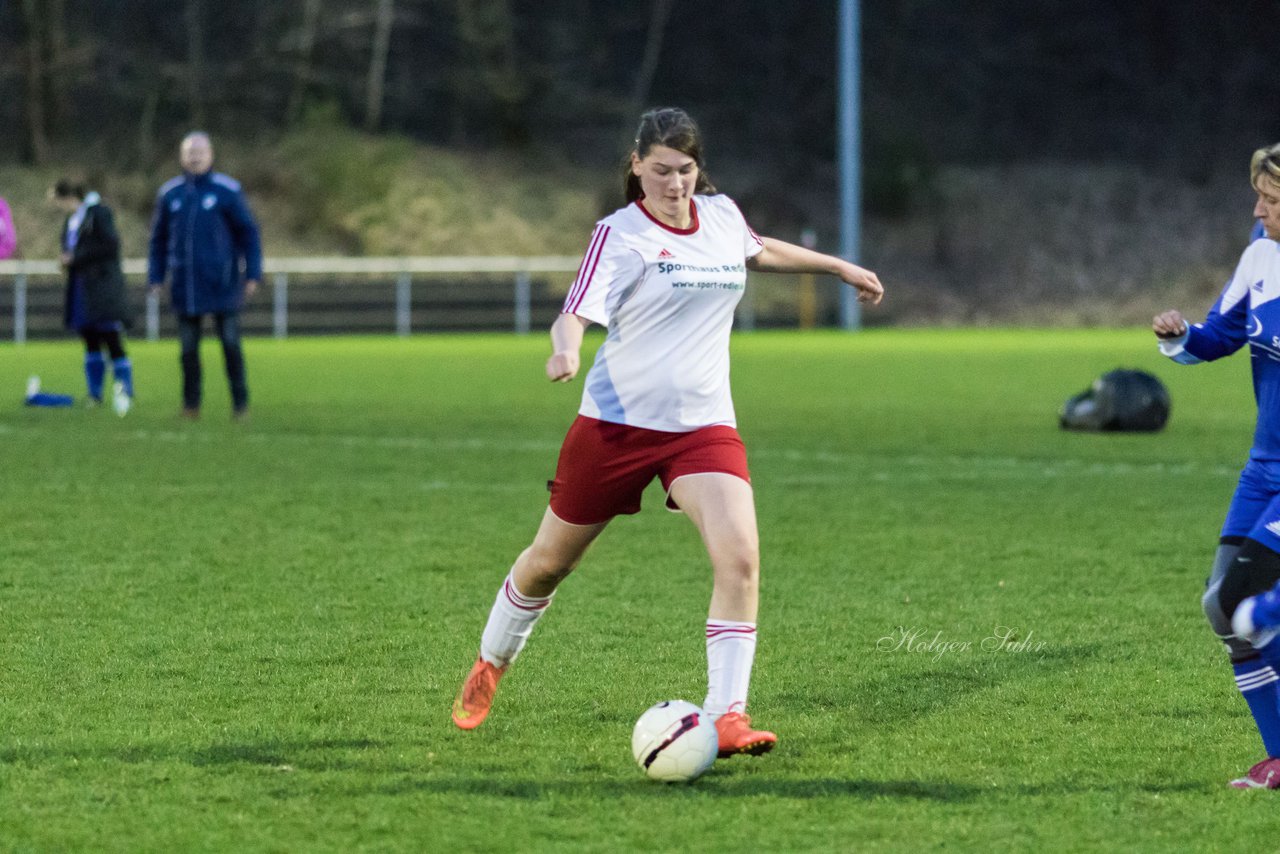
x,y
1119,400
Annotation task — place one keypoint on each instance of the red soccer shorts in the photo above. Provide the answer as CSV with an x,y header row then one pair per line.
x,y
605,467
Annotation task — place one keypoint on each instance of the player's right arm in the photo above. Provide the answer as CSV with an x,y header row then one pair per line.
x,y
158,246
1169,324
566,346
607,265
1222,333
1225,329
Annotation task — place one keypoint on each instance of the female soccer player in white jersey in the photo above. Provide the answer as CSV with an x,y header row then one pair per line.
x,y
1248,557
663,274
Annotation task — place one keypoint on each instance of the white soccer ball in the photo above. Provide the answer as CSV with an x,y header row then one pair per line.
x,y
674,741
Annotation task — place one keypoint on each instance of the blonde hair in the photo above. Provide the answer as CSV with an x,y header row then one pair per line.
x,y
1265,161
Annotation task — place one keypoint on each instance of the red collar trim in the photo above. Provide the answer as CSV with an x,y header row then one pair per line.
x,y
693,224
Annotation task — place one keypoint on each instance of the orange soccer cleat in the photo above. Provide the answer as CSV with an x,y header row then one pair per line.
x,y
476,696
737,736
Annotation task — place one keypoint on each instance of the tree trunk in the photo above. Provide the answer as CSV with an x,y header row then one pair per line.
x,y
195,61
36,71
60,75
652,51
302,65
147,129
378,65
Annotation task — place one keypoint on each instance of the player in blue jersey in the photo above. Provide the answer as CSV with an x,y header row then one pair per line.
x,y
1247,562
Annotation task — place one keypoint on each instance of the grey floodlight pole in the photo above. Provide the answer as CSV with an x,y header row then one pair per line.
x,y
848,110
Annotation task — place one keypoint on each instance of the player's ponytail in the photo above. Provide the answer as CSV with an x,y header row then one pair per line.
x,y
672,128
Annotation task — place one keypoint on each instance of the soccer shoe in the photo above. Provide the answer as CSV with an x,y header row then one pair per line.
x,y
1264,775
120,400
476,697
1257,615
737,736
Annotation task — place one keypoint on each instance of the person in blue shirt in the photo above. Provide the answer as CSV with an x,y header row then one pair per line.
x,y
1248,557
204,242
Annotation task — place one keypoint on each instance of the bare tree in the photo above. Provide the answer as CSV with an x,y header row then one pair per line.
x,y
658,18
378,64
37,117
147,127
60,61
195,61
302,64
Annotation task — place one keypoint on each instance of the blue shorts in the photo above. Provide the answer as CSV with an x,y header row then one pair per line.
x,y
1255,506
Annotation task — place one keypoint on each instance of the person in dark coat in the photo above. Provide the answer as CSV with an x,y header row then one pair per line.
x,y
204,242
95,307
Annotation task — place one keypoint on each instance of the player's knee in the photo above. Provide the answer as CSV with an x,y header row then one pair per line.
x,y
547,565
1239,651
1255,569
1212,605
739,564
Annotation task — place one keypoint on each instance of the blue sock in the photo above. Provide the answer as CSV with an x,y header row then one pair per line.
x,y
95,371
122,370
1260,688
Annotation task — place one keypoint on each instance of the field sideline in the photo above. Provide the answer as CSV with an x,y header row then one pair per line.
x,y
223,637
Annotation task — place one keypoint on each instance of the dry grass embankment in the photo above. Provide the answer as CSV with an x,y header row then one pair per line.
x,y
1032,244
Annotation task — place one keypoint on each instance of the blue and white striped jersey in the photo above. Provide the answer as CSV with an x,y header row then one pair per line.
x,y
1248,311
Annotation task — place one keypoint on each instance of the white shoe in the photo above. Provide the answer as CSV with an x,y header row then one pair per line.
x,y
33,386
120,400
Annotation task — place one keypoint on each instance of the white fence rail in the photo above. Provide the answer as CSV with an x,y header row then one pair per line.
x,y
277,271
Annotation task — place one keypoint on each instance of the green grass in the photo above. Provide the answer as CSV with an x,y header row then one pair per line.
x,y
220,637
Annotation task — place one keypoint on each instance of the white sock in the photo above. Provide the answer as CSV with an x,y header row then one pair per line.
x,y
511,621
731,649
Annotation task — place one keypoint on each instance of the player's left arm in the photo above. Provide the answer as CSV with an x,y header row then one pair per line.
x,y
158,245
247,239
778,256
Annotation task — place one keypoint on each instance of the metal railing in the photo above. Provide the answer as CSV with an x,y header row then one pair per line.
x,y
278,270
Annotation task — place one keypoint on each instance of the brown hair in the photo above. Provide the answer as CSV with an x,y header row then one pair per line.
x,y
68,188
672,128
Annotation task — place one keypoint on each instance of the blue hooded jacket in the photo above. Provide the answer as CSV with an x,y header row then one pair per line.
x,y
201,234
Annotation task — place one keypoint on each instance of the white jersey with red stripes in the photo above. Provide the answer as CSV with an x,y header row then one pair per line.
x,y
667,297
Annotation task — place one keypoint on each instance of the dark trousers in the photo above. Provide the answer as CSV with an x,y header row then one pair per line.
x,y
95,340
228,328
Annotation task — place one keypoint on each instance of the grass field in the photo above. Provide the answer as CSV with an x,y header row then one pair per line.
x,y
225,637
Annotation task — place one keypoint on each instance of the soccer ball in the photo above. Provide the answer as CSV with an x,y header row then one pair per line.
x,y
674,741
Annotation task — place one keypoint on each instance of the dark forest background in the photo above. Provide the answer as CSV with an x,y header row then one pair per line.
x,y
945,80
1012,112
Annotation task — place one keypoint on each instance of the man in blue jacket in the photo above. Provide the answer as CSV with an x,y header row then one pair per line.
x,y
204,241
